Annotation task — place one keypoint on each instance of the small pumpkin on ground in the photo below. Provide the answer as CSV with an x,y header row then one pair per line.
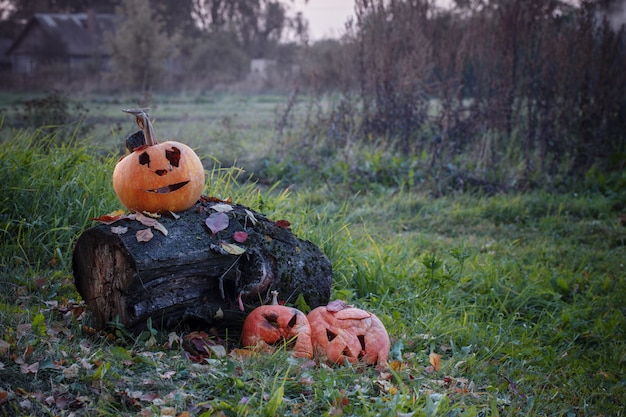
x,y
342,333
157,177
273,324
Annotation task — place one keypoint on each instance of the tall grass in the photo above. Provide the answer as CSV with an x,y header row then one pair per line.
x,y
523,296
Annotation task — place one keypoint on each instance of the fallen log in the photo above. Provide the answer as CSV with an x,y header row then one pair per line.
x,y
194,276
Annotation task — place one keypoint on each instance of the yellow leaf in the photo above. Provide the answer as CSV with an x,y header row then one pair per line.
x,y
232,249
435,360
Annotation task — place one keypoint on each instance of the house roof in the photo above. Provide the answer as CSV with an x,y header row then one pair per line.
x,y
81,33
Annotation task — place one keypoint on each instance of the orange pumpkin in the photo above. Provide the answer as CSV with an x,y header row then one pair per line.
x,y
158,177
341,333
273,324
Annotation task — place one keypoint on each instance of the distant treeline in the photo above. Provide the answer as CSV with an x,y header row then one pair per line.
x,y
510,90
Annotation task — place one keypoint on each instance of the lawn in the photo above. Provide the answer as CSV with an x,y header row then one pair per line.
x,y
505,304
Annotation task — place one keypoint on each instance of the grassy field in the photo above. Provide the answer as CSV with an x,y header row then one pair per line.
x,y
506,304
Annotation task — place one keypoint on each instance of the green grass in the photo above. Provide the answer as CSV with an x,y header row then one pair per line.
x,y
523,295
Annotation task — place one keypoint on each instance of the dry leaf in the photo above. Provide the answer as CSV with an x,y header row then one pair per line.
x,y
251,217
153,215
222,208
240,236
144,235
435,360
119,230
111,217
150,222
217,222
232,249
336,305
283,224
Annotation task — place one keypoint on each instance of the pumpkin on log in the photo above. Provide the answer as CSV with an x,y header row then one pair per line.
x,y
206,266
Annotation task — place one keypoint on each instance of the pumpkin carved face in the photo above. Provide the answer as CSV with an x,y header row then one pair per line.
x,y
158,177
275,324
341,333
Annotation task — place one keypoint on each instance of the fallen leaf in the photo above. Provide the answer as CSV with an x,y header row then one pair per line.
x,y
217,222
336,305
232,249
240,354
435,360
150,222
29,369
153,215
222,208
4,346
167,375
144,235
111,217
240,236
218,350
250,216
283,224
119,230
209,199
168,411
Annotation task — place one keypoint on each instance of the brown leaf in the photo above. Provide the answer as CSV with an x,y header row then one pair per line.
x,y
144,235
435,361
150,222
283,224
111,217
209,199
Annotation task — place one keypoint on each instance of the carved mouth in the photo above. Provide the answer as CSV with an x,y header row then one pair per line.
x,y
169,188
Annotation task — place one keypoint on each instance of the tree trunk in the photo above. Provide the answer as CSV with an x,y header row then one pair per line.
x,y
192,277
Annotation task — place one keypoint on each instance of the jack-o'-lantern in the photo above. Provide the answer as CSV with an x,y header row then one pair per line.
x,y
273,324
341,333
158,177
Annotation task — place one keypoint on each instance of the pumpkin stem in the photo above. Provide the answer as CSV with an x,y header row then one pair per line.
x,y
274,297
143,120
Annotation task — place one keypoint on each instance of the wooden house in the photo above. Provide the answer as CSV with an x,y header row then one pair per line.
x,y
74,42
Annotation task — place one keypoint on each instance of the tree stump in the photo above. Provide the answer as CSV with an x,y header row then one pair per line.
x,y
192,276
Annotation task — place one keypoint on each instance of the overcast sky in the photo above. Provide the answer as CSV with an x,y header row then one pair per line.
x,y
327,17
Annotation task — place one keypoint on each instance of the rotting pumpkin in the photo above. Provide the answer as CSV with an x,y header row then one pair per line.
x,y
273,324
342,333
158,177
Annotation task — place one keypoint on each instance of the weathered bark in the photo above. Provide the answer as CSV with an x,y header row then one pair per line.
x,y
187,278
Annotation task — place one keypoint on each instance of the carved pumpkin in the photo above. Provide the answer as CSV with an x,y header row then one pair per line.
x,y
158,177
274,324
341,333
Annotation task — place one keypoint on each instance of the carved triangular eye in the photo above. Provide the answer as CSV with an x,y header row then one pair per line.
x,y
144,159
173,156
293,321
330,335
272,319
